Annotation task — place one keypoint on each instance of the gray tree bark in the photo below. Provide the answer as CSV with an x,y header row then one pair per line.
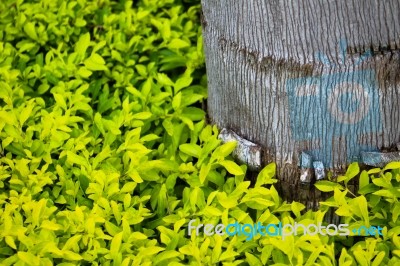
x,y
315,76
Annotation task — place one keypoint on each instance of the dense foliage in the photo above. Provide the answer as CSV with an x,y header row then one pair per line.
x,y
105,154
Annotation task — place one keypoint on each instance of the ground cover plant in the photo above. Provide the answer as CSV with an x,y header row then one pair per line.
x,y
105,153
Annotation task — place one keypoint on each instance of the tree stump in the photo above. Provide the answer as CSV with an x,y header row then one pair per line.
x,y
305,79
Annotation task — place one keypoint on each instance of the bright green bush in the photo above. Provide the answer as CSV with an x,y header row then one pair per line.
x,y
105,154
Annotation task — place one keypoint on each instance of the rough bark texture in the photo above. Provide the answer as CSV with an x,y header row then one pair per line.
x,y
296,76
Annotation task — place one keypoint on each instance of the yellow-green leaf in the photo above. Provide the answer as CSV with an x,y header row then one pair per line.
x,y
135,176
142,115
95,63
69,255
25,113
28,258
326,186
82,44
116,244
84,72
392,165
193,150
212,211
30,30
232,167
178,44
10,241
60,101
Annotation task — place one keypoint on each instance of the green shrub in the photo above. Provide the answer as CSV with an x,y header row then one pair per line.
x,y
105,154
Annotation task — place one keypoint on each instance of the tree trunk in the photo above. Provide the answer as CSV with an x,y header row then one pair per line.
x,y
298,78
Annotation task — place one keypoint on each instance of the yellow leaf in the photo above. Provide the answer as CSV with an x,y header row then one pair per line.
x,y
232,167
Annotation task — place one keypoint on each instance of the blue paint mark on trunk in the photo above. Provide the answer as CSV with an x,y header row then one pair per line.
x,y
340,105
